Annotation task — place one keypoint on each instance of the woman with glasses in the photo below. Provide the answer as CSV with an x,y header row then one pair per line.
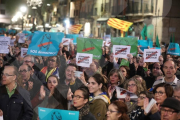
x,y
117,111
161,92
134,86
81,104
99,100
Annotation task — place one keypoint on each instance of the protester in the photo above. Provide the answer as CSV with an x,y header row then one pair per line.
x,y
52,82
15,101
177,93
81,104
99,100
117,111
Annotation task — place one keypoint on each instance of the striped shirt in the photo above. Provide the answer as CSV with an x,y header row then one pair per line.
x,y
173,84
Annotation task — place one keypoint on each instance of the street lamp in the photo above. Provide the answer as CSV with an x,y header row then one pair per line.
x,y
34,4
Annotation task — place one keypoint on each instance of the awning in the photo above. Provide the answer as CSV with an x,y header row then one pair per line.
x,y
102,19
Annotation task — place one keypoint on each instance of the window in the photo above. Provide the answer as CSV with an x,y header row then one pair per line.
x,y
2,12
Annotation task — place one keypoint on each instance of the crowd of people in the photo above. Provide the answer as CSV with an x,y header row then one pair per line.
x,y
30,82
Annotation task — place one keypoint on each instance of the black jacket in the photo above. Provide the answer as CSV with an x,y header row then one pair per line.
x,y
89,116
18,107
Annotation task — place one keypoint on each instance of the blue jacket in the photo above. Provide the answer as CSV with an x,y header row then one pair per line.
x,y
18,106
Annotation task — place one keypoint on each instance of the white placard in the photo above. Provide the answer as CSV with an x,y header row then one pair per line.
x,y
121,51
103,43
83,59
22,37
108,42
151,55
150,105
4,42
1,117
12,41
24,51
122,93
78,74
66,41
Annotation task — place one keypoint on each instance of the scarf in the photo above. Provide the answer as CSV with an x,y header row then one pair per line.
x,y
136,113
53,71
83,111
102,96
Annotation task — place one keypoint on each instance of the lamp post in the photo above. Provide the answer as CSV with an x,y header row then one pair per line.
x,y
34,4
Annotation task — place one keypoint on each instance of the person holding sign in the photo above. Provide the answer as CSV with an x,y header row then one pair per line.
x,y
81,103
99,100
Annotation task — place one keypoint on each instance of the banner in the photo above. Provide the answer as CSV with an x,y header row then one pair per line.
x,y
84,59
45,43
73,37
119,24
121,51
122,93
133,42
151,55
24,52
12,42
173,49
75,28
90,46
57,114
22,37
4,42
66,41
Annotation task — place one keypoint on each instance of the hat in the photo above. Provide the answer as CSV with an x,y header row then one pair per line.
x,y
171,103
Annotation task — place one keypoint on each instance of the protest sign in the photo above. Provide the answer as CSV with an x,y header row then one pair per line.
x,y
4,42
151,55
83,59
24,51
12,41
121,51
73,37
108,41
22,37
173,49
124,63
66,41
144,44
90,46
150,105
133,42
57,114
122,93
45,43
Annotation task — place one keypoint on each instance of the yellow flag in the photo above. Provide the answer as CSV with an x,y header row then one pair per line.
x,y
119,24
75,28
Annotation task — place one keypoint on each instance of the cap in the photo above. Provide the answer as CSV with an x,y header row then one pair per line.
x,y
171,103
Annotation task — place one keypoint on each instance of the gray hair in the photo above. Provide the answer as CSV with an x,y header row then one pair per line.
x,y
32,57
177,88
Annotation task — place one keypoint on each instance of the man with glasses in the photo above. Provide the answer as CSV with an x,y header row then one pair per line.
x,y
14,100
170,109
36,75
169,69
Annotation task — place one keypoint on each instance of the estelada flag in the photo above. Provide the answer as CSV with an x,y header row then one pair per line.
x,y
119,24
75,28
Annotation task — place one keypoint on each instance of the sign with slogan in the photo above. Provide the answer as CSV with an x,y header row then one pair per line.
x,y
4,42
119,24
151,55
122,93
90,46
57,114
22,37
108,41
73,37
12,41
173,49
66,41
84,59
144,44
121,51
24,51
133,42
45,43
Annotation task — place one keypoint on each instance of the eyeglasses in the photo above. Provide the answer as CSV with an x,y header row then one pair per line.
x,y
141,97
77,97
7,75
51,60
132,85
156,68
159,93
111,111
170,112
176,97
27,61
25,71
